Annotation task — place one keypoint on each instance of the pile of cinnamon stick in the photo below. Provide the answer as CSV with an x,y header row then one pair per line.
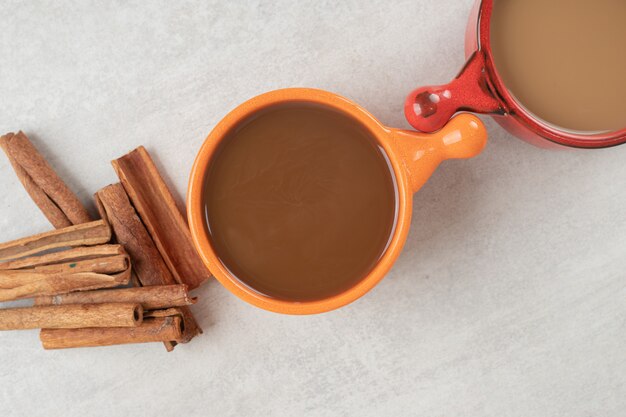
x,y
123,278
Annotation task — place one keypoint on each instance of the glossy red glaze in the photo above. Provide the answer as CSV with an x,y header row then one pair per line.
x,y
479,88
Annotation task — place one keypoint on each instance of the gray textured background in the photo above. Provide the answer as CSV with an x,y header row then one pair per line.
x,y
508,300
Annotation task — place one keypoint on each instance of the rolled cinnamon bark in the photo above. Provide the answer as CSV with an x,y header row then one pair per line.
x,y
17,284
80,253
72,316
115,208
57,202
148,265
151,298
158,211
52,212
158,329
104,265
77,269
92,233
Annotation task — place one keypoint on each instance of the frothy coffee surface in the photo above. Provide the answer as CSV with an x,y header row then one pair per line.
x,y
564,60
300,202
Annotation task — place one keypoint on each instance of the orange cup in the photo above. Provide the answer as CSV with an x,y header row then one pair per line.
x,y
413,157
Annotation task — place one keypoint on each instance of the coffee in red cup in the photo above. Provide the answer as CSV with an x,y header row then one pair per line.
x,y
552,72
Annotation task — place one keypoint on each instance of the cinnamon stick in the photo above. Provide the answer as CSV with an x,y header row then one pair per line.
x,y
158,329
190,326
181,312
70,255
50,210
115,208
71,270
151,298
72,316
104,265
92,233
156,207
57,202
17,284
148,265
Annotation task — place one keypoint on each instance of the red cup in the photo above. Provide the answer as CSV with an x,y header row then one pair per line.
x,y
479,88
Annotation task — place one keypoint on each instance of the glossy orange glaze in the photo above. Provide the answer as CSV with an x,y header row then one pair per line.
x,y
413,157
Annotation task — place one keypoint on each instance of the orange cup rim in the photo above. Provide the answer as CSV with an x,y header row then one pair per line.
x,y
195,206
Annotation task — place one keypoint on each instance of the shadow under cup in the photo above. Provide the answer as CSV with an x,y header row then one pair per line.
x,y
300,201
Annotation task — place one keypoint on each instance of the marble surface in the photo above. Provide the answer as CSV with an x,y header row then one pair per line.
x,y
508,300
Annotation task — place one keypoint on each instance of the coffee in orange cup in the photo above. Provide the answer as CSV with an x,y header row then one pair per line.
x,y
300,201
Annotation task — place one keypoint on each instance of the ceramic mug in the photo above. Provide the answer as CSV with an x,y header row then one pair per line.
x,y
479,88
412,156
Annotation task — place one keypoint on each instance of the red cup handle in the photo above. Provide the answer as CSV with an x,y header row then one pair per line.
x,y
429,108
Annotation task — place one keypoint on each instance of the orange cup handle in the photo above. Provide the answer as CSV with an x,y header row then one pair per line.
x,y
464,136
